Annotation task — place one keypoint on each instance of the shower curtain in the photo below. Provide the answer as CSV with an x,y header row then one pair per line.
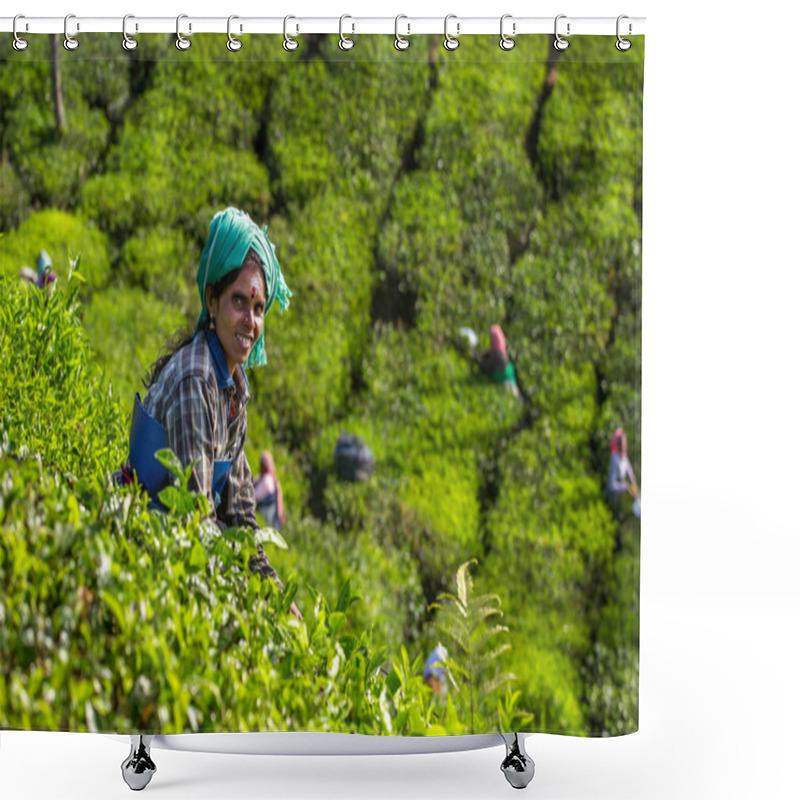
x,y
445,438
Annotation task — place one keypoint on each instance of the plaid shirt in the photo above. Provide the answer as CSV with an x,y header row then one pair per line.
x,y
202,408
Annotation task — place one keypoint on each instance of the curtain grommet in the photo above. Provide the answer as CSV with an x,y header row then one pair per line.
x,y
506,42
401,43
450,42
19,44
345,42
233,44
70,42
289,43
560,43
623,45
128,42
181,42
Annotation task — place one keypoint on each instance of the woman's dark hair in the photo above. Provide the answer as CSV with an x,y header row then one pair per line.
x,y
178,341
184,337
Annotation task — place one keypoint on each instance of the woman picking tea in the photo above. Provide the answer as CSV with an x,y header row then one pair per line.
x,y
196,403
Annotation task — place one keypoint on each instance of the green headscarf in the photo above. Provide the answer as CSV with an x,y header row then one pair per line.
x,y
231,235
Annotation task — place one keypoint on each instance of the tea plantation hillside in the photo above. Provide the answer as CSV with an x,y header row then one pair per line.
x,y
408,195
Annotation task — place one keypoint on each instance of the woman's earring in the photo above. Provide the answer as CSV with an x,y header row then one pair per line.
x,y
212,325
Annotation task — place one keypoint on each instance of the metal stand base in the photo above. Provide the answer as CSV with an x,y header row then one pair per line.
x,y
138,768
517,766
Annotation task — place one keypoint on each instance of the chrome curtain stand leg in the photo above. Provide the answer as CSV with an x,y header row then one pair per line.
x,y
138,768
517,766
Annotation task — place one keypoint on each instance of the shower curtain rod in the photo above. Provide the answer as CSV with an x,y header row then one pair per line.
x,y
74,25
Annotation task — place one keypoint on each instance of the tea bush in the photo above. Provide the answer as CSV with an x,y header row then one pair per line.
x,y
163,262
328,145
130,328
14,198
64,235
52,163
89,646
151,180
470,624
54,401
392,605
580,152
313,349
116,618
228,110
564,554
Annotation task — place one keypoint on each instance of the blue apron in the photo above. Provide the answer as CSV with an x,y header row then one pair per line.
x,y
148,436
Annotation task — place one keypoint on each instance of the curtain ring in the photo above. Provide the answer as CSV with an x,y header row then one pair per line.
x,y
345,43
450,42
560,43
289,44
19,43
70,42
128,42
181,42
506,42
234,44
623,44
400,42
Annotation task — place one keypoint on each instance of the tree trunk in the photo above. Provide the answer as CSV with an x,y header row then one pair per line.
x,y
58,99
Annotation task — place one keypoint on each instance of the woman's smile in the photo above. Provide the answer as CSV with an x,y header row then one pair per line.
x,y
238,314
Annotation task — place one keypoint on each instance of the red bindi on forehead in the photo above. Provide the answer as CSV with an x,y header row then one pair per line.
x,y
255,284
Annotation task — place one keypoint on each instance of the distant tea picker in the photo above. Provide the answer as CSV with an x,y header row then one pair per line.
x,y
621,478
44,270
196,403
44,275
495,362
268,494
